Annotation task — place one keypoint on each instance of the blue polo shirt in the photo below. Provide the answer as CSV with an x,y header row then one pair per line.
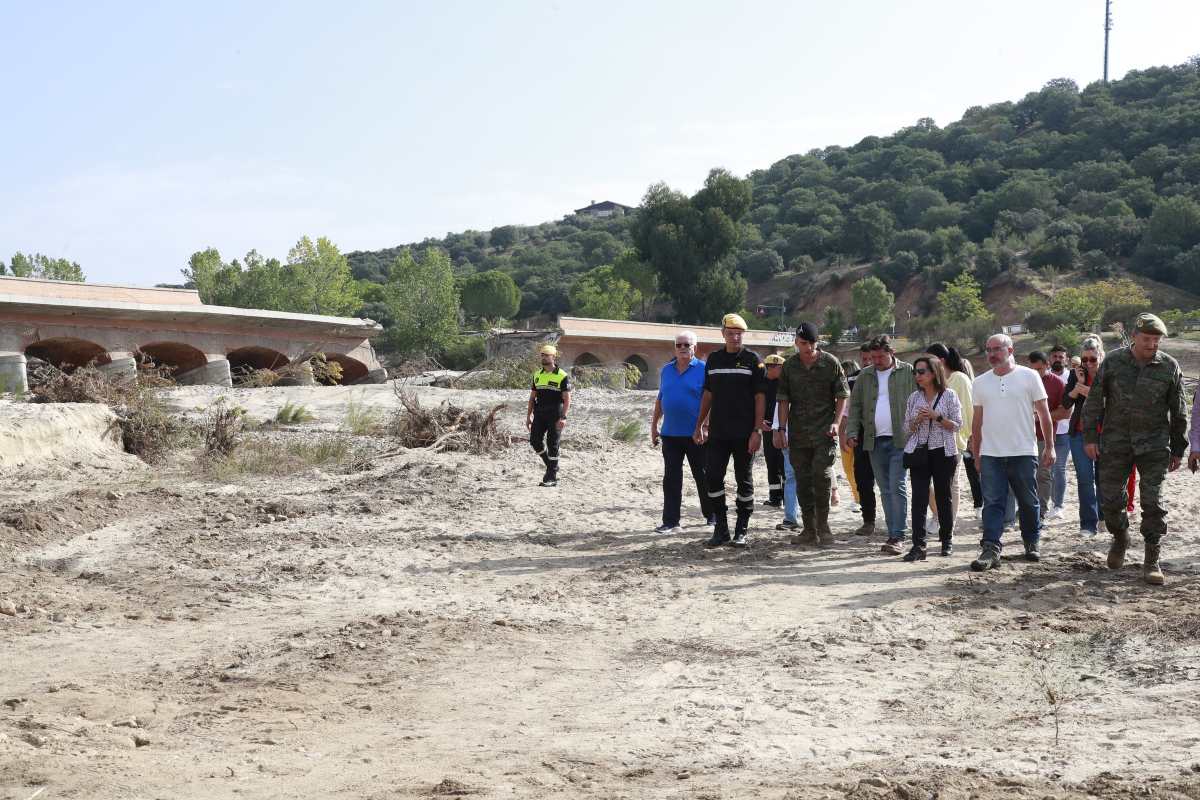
x,y
679,396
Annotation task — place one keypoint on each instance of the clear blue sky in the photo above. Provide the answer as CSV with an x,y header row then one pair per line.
x,y
137,133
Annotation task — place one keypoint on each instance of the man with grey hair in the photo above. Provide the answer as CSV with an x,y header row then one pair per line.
x,y
1004,444
680,386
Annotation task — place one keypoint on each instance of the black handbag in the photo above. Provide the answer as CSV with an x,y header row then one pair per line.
x,y
919,458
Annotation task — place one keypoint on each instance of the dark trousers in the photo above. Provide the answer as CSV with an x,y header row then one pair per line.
x,y
544,437
716,461
972,470
941,471
774,458
674,450
864,479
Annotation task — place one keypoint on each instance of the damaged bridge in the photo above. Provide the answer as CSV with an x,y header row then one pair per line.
x,y
118,327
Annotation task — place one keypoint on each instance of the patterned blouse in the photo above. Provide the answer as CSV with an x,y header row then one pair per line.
x,y
935,436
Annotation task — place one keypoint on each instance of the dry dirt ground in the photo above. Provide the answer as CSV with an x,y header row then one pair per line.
x,y
437,625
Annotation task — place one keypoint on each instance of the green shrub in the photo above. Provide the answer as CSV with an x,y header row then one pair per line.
x,y
1067,336
463,352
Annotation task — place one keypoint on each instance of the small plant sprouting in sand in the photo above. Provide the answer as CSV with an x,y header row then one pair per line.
x,y
290,414
362,419
624,430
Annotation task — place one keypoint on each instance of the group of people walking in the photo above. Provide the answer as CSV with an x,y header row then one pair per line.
x,y
906,428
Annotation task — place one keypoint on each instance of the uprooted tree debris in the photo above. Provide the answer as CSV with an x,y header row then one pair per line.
x,y
446,427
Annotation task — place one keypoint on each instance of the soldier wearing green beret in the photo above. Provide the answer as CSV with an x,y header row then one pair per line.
x,y
1135,416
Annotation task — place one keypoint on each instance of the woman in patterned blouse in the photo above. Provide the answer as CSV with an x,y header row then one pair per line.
x,y
932,418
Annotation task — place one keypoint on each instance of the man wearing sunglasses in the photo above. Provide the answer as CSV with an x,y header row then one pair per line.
x,y
1138,398
680,387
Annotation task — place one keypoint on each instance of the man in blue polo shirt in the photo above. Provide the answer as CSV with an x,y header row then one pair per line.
x,y
680,387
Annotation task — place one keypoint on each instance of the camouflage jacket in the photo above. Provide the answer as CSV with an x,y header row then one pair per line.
x,y
812,394
1135,407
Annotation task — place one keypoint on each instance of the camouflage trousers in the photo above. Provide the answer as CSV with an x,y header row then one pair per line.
x,y
1114,467
813,467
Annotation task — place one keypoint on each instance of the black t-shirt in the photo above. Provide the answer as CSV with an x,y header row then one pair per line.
x,y
769,407
733,379
549,388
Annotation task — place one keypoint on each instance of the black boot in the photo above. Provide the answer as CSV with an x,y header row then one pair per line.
x,y
917,553
720,531
947,547
740,530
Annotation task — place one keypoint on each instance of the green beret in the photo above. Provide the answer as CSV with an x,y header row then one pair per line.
x,y
1148,323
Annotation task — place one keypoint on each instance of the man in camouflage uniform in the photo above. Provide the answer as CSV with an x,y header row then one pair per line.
x,y
1135,416
812,393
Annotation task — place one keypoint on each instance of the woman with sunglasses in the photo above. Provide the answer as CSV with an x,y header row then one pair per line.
x,y
1079,384
932,420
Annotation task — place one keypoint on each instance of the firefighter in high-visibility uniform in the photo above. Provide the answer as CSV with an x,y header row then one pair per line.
x,y
549,401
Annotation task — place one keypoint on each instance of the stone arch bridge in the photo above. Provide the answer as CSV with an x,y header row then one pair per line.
x,y
647,345
116,327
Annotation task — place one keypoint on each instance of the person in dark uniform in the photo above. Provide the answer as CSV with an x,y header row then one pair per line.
x,y
772,454
734,399
549,401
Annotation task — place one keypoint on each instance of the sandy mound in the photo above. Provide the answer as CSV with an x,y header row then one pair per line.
x,y
34,434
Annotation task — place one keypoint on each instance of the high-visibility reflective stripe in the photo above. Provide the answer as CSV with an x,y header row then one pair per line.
x,y
539,452
746,498
720,493
553,458
731,371
774,485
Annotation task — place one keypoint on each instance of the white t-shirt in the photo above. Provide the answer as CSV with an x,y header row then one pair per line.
x,y
883,406
1007,403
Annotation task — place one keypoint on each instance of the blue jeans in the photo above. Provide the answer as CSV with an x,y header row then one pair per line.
x,y
1089,492
999,475
1062,452
887,461
789,489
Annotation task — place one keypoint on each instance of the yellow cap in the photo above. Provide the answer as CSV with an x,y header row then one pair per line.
x,y
773,360
548,350
734,321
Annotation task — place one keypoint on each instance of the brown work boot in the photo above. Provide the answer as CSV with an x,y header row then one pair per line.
x,y
807,536
866,529
1116,550
1151,572
824,535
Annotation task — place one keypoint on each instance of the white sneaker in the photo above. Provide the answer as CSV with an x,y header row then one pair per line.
x,y
1086,534
1056,512
979,513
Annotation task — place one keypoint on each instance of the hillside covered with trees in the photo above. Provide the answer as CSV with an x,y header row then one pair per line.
x,y
1067,179
1033,197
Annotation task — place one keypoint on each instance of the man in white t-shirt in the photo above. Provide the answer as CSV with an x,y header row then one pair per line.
x,y
1005,446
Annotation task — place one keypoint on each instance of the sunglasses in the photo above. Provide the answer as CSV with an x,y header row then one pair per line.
x,y
921,371
1090,360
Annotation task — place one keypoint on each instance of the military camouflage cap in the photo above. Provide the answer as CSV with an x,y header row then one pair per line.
x,y
1148,323
774,360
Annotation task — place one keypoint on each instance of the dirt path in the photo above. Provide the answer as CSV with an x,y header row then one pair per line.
x,y
440,626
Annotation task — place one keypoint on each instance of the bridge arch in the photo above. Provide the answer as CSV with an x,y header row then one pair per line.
x,y
67,353
647,380
176,357
244,360
352,368
586,360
